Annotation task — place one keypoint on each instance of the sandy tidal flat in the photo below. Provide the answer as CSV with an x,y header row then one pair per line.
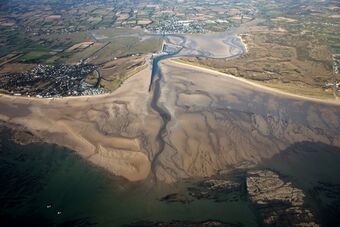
x,y
214,45
113,131
220,123
209,122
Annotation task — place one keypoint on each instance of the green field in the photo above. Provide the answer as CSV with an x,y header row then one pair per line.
x,y
35,56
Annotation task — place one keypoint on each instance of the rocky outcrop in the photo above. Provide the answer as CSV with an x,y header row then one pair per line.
x,y
176,198
19,134
221,185
215,189
280,203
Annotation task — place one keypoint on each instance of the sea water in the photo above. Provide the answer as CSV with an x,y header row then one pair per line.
x,y
47,185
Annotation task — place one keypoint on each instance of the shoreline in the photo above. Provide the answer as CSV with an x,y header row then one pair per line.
x,y
174,60
243,42
77,123
67,98
56,98
23,97
274,91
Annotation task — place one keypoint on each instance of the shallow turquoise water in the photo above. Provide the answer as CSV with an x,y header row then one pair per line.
x,y
38,175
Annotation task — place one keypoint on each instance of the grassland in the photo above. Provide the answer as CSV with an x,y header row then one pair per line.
x,y
119,53
300,89
115,72
290,43
290,47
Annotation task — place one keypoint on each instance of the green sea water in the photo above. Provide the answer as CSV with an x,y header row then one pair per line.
x,y
47,185
40,180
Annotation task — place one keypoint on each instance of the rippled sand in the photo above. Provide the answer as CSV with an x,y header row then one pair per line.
x,y
220,123
213,45
113,131
217,123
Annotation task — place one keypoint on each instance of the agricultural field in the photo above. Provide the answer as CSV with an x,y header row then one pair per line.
x,y
118,53
289,48
291,44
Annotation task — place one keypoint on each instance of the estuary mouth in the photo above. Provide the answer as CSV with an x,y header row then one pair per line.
x,y
169,113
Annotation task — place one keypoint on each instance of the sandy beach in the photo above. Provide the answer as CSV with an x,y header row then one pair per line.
x,y
262,87
113,131
194,122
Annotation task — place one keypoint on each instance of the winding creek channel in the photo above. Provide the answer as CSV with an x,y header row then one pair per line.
x,y
188,47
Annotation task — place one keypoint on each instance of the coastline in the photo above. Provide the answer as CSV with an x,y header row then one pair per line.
x,y
121,131
266,88
77,123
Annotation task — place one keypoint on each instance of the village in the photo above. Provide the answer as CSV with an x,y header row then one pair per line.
x,y
47,81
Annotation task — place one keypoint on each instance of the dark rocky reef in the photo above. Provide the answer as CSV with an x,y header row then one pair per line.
x,y
280,203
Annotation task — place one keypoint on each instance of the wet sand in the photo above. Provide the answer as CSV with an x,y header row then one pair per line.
x,y
115,131
214,45
193,123
220,123
262,87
